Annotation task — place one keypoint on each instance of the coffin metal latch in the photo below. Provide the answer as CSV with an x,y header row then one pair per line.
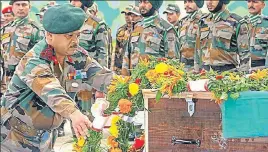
x,y
190,103
175,141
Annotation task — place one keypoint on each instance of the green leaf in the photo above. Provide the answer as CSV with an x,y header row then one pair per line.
x,y
224,96
235,95
158,96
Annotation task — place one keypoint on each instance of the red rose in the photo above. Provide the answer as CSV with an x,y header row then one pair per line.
x,y
138,144
138,81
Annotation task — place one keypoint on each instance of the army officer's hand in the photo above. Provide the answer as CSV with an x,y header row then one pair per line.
x,y
80,123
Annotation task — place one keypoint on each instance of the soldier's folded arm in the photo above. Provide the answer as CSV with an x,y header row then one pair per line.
x,y
243,47
38,76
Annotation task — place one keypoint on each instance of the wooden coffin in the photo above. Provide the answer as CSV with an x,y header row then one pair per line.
x,y
170,118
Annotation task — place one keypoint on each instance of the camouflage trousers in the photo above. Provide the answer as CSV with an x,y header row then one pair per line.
x,y
17,139
229,67
188,64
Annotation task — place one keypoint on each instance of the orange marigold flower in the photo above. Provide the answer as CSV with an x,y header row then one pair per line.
x,y
125,106
111,142
115,150
203,72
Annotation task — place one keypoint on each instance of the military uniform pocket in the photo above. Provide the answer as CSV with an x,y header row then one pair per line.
x,y
5,42
261,39
153,43
224,39
86,35
135,39
204,38
73,85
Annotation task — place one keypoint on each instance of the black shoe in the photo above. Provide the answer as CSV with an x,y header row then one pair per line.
x,y
61,132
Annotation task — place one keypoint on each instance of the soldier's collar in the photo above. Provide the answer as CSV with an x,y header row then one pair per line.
x,y
192,15
149,20
19,21
221,15
255,18
49,55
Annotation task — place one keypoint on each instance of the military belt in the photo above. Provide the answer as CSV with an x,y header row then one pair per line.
x,y
257,63
24,129
226,67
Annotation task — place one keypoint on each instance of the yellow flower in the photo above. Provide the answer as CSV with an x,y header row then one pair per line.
x,y
115,150
81,141
144,62
234,78
180,72
151,75
114,131
161,68
133,89
115,119
76,148
259,74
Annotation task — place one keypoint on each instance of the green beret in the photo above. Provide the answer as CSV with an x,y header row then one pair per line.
x,y
13,1
63,19
226,1
87,3
156,3
199,3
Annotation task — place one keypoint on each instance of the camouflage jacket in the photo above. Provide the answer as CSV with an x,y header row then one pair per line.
x,y
187,34
41,95
94,38
222,40
122,36
258,27
17,38
155,37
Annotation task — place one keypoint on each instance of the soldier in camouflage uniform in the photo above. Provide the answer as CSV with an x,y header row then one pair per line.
x,y
17,38
188,31
156,37
222,41
94,36
122,36
173,15
258,27
46,83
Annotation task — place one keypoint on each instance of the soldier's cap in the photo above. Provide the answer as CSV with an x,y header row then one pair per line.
x,y
86,3
127,9
94,7
156,4
172,8
13,1
199,3
135,10
62,19
7,9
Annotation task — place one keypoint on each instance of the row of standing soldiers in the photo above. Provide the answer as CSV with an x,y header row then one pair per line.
x,y
219,40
